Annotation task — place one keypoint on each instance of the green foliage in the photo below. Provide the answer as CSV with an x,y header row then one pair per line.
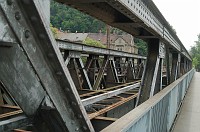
x,y
195,53
92,42
54,31
142,46
66,18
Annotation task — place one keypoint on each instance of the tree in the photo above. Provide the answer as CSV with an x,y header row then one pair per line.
x,y
92,42
195,53
142,46
66,18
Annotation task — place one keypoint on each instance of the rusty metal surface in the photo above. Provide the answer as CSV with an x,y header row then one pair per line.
x,y
73,87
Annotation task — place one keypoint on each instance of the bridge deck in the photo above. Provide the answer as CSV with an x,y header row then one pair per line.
x,y
189,118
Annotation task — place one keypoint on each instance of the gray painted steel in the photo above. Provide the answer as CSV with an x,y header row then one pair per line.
x,y
13,123
65,45
109,94
156,114
188,118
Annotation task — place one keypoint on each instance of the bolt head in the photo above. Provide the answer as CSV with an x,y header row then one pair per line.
x,y
17,16
27,34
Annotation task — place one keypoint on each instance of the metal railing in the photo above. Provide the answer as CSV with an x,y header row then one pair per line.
x,y
158,113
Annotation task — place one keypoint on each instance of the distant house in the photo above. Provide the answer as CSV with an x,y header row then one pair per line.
x,y
123,42
73,37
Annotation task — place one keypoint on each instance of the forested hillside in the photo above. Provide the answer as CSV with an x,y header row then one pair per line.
x,y
69,19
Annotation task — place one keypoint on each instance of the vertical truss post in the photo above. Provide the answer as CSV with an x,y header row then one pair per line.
x,y
118,61
186,63
74,62
182,66
114,70
179,66
140,68
175,66
112,76
103,78
101,72
168,65
130,75
91,67
86,84
124,67
73,69
69,57
152,79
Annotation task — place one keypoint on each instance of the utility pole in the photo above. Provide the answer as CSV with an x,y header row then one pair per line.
x,y
108,36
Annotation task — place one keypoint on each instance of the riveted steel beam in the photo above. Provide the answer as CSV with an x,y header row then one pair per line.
x,y
42,72
152,78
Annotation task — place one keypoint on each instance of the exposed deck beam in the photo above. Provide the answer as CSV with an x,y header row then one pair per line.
x,y
100,97
65,45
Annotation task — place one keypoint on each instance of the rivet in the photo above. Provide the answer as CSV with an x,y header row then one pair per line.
x,y
17,16
9,2
27,34
77,129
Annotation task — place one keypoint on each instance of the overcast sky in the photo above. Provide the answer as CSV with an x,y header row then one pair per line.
x,y
184,16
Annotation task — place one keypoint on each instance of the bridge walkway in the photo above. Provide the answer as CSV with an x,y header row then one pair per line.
x,y
189,117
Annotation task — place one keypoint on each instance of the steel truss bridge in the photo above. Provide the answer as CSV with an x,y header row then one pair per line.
x,y
54,85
